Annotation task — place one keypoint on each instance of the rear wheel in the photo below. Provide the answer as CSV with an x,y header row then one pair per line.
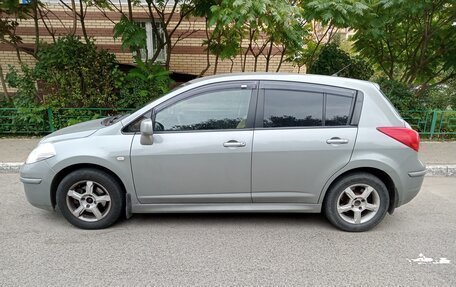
x,y
90,199
356,202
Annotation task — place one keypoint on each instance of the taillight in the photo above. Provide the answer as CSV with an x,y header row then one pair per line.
x,y
406,136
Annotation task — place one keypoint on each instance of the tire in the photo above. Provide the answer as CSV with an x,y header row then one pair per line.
x,y
90,198
362,208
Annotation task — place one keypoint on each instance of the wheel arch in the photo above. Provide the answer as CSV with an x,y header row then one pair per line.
x,y
69,169
380,174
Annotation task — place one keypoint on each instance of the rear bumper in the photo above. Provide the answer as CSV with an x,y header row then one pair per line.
x,y
37,178
420,173
412,185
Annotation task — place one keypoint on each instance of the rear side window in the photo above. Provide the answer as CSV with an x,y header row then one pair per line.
x,y
286,108
337,110
300,108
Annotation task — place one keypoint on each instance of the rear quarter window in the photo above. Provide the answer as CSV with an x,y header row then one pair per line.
x,y
338,110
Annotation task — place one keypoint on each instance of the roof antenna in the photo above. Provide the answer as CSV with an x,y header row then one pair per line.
x,y
336,73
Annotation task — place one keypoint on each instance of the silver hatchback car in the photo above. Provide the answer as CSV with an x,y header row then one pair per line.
x,y
235,143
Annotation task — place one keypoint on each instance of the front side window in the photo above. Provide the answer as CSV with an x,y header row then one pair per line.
x,y
286,108
222,109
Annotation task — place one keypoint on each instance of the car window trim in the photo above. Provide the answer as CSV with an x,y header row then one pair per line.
x,y
357,108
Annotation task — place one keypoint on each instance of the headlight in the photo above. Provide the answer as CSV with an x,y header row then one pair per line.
x,y
41,152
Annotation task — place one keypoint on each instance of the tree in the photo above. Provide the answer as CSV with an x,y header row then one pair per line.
x,y
333,60
12,13
413,42
165,17
323,19
257,28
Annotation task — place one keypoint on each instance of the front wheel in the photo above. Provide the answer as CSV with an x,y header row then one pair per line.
x,y
357,202
90,199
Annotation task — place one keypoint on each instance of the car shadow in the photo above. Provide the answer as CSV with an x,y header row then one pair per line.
x,y
310,220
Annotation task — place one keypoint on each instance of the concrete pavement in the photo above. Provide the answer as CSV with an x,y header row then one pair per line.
x,y
39,248
440,157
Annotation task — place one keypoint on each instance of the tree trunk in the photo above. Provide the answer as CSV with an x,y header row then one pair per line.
x,y
268,58
208,52
216,64
18,54
130,10
82,20
75,17
2,80
35,21
168,50
255,63
281,59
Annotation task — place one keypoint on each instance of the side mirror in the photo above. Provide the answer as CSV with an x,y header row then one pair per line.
x,y
147,132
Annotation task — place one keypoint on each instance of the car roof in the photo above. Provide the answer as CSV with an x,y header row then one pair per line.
x,y
305,78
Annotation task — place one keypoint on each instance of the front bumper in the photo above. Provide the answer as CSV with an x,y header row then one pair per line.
x,y
37,178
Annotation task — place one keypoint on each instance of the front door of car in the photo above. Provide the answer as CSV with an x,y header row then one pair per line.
x,y
201,150
304,134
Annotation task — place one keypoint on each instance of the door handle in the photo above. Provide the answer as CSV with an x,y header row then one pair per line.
x,y
233,143
337,140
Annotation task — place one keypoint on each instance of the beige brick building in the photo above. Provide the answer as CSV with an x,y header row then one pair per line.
x,y
188,55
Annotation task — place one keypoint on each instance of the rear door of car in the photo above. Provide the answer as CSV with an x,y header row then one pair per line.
x,y
304,133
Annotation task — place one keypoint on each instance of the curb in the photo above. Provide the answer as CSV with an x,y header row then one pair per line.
x,y
441,170
10,167
432,170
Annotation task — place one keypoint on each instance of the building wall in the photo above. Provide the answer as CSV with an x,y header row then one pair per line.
x,y
188,56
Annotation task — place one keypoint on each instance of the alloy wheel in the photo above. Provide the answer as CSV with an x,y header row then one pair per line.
x,y
358,203
88,201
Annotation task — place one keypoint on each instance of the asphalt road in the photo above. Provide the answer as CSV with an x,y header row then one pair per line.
x,y
40,248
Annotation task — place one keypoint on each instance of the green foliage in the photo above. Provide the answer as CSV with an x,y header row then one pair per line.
x,y
75,74
24,82
30,114
340,13
321,18
411,41
441,96
12,12
133,36
399,95
143,84
333,60
255,23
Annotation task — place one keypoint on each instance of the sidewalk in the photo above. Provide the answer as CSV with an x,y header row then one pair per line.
x,y
440,157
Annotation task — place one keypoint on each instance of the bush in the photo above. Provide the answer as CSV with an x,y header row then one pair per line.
x,y
143,84
333,60
71,73
441,97
30,115
399,94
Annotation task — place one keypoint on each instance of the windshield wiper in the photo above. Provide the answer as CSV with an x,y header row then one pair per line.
x,y
112,119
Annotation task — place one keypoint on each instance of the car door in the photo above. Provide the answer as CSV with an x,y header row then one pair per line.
x,y
304,134
201,151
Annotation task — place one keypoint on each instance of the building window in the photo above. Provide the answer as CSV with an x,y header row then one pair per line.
x,y
153,42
